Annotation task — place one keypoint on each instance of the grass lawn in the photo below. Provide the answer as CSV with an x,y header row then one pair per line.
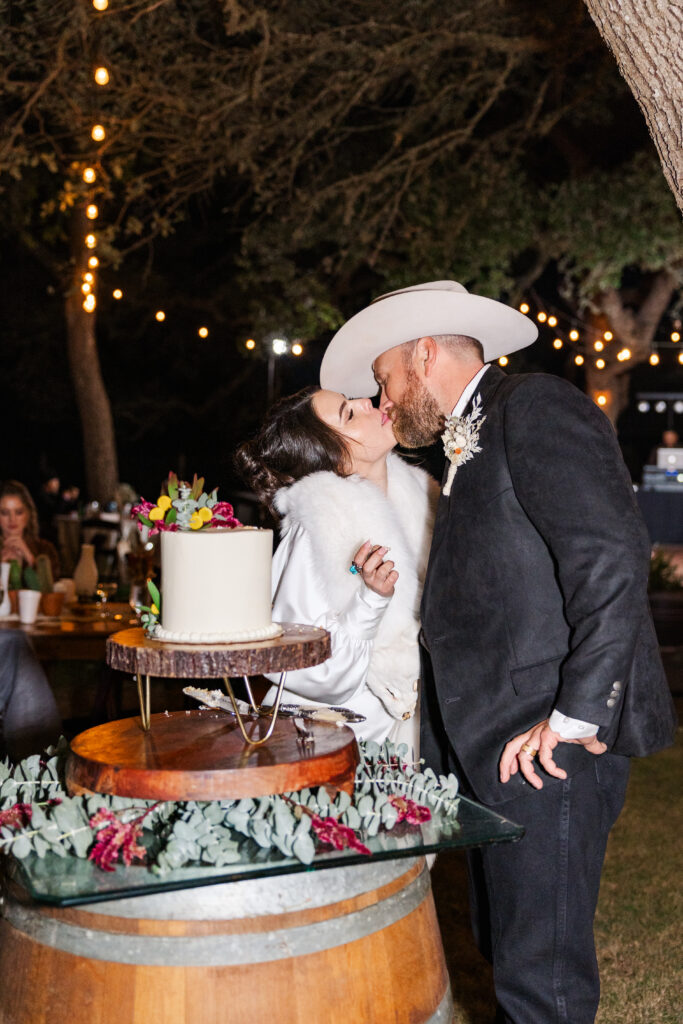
x,y
638,924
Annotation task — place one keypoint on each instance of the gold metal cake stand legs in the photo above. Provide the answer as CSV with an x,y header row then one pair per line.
x,y
143,697
258,709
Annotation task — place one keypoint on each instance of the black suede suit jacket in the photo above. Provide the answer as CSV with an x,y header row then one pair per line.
x,y
535,595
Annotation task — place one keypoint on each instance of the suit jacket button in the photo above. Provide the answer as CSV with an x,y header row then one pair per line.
x,y
615,694
406,715
616,686
611,702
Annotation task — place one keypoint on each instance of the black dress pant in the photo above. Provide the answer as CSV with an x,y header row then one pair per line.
x,y
533,902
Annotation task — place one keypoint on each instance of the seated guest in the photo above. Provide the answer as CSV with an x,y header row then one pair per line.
x,y
29,719
19,538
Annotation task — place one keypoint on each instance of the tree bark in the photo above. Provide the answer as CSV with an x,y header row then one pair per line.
x,y
645,38
99,444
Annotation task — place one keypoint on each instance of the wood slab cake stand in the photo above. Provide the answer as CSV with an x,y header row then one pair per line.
x,y
207,754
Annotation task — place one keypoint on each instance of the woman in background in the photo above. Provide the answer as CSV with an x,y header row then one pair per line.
x,y
19,528
355,535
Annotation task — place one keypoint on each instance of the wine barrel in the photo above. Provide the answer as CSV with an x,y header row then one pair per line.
x,y
358,943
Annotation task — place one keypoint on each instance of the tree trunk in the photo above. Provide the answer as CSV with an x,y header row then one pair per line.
x,y
644,36
99,444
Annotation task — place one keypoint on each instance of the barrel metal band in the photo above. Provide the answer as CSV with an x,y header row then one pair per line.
x,y
444,1011
218,950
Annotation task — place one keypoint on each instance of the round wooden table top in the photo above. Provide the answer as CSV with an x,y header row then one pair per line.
x,y
298,647
201,755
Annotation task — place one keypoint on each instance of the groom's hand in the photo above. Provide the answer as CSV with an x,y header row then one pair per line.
x,y
539,741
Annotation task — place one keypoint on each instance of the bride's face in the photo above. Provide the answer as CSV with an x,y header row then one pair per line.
x,y
369,430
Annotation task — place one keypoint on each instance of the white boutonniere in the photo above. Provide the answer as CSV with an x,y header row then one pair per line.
x,y
461,440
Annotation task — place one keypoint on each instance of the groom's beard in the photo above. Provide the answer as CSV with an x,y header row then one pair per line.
x,y
418,420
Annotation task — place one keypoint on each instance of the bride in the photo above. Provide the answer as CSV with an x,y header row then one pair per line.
x,y
356,524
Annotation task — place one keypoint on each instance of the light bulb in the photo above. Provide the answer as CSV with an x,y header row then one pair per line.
x,y
160,315
203,332
624,355
100,5
101,76
98,133
250,344
675,336
600,364
279,346
602,399
90,241
552,321
93,262
598,346
680,357
541,317
574,335
88,277
91,211
503,361
89,303
297,349
86,287
608,335
643,406
578,360
117,293
660,406
89,175
654,359
524,308
557,343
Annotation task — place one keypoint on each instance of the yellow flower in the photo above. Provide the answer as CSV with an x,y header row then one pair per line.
x,y
155,610
204,514
195,521
164,502
156,513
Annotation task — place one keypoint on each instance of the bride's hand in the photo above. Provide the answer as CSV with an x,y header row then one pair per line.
x,y
378,575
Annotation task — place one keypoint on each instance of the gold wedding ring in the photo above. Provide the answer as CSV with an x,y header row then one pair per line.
x,y
526,748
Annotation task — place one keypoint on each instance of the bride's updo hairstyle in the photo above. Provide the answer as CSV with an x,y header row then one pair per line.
x,y
292,443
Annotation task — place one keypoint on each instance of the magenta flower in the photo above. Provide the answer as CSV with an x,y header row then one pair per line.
x,y
116,837
17,816
409,810
329,830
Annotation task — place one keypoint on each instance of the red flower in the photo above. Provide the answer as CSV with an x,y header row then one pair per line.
x,y
329,830
116,837
410,811
17,816
224,515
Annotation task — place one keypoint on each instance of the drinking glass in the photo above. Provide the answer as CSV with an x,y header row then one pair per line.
x,y
105,590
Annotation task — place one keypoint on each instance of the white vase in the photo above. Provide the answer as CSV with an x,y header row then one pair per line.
x,y
5,606
86,573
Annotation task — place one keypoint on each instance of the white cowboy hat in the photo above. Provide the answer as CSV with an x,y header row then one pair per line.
x,y
437,307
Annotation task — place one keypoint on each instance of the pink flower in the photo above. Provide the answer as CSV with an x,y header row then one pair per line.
x,y
410,811
17,816
116,837
329,830
224,515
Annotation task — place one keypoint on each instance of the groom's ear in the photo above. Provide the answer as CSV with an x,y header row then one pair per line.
x,y
425,356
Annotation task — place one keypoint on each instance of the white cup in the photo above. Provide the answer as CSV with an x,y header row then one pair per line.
x,y
28,606
66,586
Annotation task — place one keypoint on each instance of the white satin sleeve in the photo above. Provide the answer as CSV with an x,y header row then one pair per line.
x,y
297,597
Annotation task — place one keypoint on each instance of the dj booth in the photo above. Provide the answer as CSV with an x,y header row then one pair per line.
x,y
660,497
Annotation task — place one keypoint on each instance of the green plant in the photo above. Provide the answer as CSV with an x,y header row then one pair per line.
x,y
663,575
26,578
43,569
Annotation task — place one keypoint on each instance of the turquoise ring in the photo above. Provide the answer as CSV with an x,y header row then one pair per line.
x,y
355,569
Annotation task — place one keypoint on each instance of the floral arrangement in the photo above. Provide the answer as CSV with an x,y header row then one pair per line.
x,y
461,440
38,817
184,506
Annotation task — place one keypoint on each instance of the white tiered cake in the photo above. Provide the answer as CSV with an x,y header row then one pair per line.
x,y
216,586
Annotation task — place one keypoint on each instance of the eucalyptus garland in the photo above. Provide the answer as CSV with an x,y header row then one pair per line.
x,y
37,816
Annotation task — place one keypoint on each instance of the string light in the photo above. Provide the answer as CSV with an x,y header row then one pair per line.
x,y
654,359
624,355
117,293
643,406
675,336
660,406
88,277
552,321
297,349
598,346
97,132
608,335
602,399
503,361
250,344
279,346
86,287
93,262
89,303
557,343
89,175
600,364
574,335
101,76
203,332
541,317
680,357
90,241
579,360
524,308
91,211
100,5
160,316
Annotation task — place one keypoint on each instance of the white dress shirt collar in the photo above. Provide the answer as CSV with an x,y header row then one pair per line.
x,y
461,404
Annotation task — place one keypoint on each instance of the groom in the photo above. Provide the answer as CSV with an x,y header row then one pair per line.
x,y
546,675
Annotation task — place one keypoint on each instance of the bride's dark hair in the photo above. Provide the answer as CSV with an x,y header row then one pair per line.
x,y
292,443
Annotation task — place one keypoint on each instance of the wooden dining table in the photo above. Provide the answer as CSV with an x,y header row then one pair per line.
x,y
78,634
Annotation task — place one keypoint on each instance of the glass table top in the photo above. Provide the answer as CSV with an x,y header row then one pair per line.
x,y
70,881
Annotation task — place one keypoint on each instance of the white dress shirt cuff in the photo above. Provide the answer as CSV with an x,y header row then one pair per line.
x,y
363,614
571,728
